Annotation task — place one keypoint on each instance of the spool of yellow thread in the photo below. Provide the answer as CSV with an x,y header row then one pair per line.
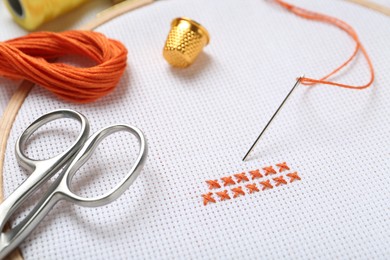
x,y
30,14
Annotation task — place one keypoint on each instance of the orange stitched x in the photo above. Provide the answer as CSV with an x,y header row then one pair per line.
x,y
213,184
283,166
279,180
269,170
237,192
207,198
223,195
256,174
266,184
252,188
241,177
228,181
293,176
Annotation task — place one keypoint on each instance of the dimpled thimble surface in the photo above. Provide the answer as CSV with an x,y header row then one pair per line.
x,y
185,41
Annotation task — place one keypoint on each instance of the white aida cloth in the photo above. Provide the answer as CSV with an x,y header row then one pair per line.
x,y
200,121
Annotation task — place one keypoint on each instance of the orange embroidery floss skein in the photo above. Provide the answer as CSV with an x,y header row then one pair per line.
x,y
31,58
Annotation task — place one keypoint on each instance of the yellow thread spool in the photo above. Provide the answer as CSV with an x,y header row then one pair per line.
x,y
185,41
32,13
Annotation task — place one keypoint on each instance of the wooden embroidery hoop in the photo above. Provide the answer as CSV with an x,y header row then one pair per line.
x,y
23,90
372,5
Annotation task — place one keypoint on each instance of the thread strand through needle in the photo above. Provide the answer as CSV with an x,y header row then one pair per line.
x,y
272,118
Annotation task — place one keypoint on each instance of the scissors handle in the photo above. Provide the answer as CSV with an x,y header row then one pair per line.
x,y
43,169
60,189
86,152
31,164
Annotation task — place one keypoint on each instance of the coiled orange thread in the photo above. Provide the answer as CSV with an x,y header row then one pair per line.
x,y
346,28
279,180
256,174
207,198
269,170
238,191
266,184
31,58
213,184
293,176
223,195
252,188
228,181
283,166
241,177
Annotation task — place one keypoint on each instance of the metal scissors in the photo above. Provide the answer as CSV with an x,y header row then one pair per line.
x,y
70,160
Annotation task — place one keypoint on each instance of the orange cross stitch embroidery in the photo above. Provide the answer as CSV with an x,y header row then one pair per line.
x,y
283,166
256,174
266,184
207,198
252,188
279,180
269,170
223,195
228,181
241,177
237,192
213,184
293,176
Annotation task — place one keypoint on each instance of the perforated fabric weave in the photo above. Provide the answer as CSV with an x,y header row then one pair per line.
x,y
199,122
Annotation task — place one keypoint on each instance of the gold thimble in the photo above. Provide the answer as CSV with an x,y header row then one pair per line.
x,y
185,41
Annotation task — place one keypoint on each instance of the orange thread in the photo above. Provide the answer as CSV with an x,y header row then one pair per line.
x,y
228,181
266,184
207,198
241,177
346,28
256,174
30,58
252,188
283,166
269,170
223,195
279,180
293,176
213,184
238,191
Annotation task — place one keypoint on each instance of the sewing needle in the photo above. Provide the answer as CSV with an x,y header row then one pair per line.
x,y
269,122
